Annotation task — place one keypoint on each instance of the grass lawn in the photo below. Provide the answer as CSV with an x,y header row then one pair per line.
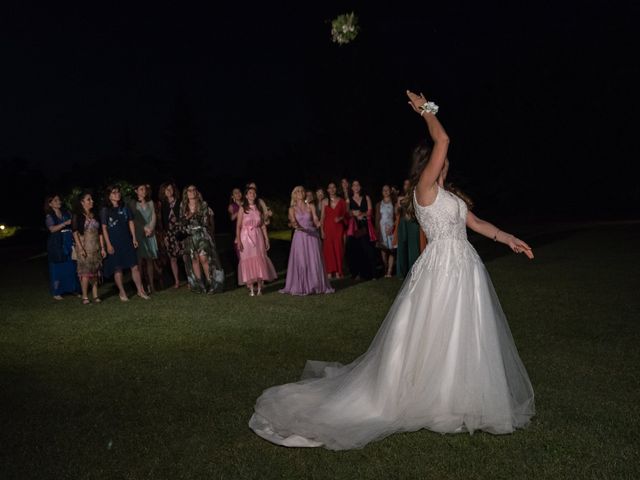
x,y
164,388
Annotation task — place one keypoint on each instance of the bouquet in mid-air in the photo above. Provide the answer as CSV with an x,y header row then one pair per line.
x,y
344,28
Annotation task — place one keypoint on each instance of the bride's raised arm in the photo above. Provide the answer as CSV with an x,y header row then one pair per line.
x,y
440,139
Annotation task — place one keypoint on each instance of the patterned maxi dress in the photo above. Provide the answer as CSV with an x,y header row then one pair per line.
x,y
89,265
198,243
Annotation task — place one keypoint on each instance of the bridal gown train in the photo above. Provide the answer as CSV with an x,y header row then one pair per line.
x,y
443,358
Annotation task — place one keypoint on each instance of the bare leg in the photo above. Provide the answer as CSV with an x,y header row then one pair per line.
x,y
117,277
204,261
385,257
84,284
135,274
96,298
260,285
150,268
391,259
195,265
250,286
174,270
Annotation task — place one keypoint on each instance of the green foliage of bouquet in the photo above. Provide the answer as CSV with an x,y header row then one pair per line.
x,y
344,28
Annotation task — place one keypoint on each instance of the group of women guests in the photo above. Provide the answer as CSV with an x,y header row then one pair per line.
x,y
139,236
352,228
328,228
143,237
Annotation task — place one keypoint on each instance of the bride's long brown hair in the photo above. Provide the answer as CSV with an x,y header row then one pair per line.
x,y
421,157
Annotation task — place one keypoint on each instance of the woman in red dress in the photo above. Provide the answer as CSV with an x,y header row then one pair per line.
x,y
332,220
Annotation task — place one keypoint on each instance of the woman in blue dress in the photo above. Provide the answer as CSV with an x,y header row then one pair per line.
x,y
385,226
63,277
120,236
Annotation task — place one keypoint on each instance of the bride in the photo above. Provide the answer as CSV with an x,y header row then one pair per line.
x,y
443,359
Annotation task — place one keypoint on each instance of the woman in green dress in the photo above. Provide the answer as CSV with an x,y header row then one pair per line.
x,y
408,238
201,260
144,219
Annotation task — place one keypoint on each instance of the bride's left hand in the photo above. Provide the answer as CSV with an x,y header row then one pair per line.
x,y
518,246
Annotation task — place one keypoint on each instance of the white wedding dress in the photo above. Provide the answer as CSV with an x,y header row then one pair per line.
x,y
443,359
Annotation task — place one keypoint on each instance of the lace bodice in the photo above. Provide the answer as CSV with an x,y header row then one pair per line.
x,y
445,218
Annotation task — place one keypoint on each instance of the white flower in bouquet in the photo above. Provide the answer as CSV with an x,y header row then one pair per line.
x,y
344,28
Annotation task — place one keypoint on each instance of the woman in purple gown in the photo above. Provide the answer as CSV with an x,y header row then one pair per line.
x,y
305,272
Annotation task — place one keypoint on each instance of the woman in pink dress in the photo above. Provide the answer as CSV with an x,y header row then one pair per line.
x,y
305,272
252,242
332,221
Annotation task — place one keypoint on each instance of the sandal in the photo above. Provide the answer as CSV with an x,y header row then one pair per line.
x,y
124,298
85,301
97,300
143,295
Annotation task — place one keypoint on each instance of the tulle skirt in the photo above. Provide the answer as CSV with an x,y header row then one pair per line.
x,y
443,359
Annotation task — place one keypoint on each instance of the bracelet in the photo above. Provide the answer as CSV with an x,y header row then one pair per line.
x,y
429,107
495,237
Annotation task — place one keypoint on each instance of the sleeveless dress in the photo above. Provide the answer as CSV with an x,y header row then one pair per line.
x,y
333,245
305,271
443,359
360,251
90,265
386,220
143,217
254,263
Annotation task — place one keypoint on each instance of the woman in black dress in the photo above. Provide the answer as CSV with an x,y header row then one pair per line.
x,y
361,235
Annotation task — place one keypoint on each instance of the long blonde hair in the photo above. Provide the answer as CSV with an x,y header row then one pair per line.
x,y
295,189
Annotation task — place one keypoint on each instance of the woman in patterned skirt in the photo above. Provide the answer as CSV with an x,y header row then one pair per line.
x,y
89,246
201,261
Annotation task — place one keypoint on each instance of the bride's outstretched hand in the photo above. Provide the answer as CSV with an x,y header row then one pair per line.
x,y
518,246
416,101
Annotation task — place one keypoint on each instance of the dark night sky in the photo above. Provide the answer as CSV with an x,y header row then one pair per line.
x,y
534,97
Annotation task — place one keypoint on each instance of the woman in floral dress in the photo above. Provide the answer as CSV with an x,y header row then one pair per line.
x,y
89,246
169,225
201,261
